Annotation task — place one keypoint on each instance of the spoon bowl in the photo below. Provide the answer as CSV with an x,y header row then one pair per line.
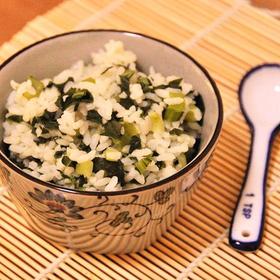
x,y
259,95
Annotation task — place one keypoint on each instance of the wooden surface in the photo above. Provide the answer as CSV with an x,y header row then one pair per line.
x,y
228,37
16,13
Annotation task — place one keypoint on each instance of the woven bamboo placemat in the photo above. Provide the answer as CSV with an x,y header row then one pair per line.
x,y
227,37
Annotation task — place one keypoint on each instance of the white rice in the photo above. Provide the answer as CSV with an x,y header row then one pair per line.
x,y
55,132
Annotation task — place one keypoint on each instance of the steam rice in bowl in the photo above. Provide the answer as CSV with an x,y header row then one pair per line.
x,y
103,126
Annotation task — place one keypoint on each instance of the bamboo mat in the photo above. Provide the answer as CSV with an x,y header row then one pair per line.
x,y
227,37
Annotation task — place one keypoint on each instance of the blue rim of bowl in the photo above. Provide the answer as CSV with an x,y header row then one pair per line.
x,y
188,167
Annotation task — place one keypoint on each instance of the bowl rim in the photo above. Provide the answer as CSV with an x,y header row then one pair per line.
x,y
188,167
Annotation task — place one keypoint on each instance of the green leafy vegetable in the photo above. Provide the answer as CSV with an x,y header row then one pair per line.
x,y
160,164
126,102
15,118
176,131
175,83
68,162
111,168
89,80
130,129
172,84
125,77
106,70
114,116
145,84
59,154
80,182
78,141
112,154
113,129
200,104
94,116
146,108
42,140
84,147
142,164
156,122
174,112
182,160
48,119
76,96
60,87
191,153
38,161
84,168
135,143
37,85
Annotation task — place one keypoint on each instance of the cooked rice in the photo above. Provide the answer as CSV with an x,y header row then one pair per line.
x,y
103,126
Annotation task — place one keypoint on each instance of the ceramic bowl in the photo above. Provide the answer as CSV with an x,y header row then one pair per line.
x,y
107,222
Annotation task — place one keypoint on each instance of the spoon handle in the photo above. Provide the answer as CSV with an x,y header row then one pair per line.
x,y
248,219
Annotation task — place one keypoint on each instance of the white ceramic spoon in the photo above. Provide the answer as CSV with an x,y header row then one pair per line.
x,y
259,96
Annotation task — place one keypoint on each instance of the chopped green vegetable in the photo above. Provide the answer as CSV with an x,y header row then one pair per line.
x,y
37,85
176,94
76,96
175,83
145,84
191,153
157,122
199,103
172,84
125,77
107,69
160,164
89,79
194,114
58,154
187,129
60,87
48,119
68,162
78,141
30,158
111,168
113,129
79,184
171,114
174,112
94,116
15,118
147,107
78,138
182,160
42,140
128,73
135,143
142,164
130,129
119,143
114,116
84,147
176,131
84,168
126,102
28,95
112,154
